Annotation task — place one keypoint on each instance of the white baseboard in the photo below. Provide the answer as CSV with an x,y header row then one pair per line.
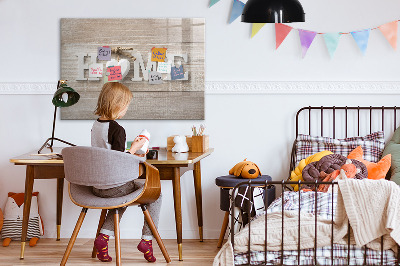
x,y
247,87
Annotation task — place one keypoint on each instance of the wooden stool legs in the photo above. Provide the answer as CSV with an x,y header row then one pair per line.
x,y
154,230
74,235
223,229
117,239
101,222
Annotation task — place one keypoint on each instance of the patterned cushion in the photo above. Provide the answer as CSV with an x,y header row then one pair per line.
x,y
372,144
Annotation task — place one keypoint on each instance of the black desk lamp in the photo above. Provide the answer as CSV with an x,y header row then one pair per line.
x,y
273,11
64,96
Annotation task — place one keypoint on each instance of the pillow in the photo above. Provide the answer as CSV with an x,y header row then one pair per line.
x,y
372,144
375,170
393,148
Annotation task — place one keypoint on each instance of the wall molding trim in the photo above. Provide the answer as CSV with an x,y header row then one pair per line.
x,y
28,88
247,87
303,87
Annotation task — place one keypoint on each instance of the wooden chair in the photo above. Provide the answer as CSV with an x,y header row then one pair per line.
x,y
85,167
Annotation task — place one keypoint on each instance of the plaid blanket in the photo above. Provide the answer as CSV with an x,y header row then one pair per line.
x,y
323,205
324,257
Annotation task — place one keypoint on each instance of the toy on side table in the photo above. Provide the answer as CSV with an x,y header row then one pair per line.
x,y
13,215
245,169
180,144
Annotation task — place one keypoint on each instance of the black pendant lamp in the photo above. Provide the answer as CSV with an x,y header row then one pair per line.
x,y
273,11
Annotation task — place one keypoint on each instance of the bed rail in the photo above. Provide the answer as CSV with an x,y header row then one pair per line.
x,y
265,185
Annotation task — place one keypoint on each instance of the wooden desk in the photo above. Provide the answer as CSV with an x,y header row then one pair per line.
x,y
40,167
168,164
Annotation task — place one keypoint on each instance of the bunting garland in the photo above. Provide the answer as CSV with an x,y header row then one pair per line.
x,y
281,31
256,28
213,2
237,9
332,41
389,30
361,37
306,39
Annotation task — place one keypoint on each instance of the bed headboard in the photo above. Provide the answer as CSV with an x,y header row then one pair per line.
x,y
345,117
344,121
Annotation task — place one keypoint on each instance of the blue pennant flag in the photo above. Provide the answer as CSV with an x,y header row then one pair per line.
x,y
237,9
332,41
361,38
213,2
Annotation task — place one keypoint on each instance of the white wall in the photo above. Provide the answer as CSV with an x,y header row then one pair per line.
x,y
258,126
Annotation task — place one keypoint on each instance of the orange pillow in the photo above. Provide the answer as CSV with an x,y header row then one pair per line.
x,y
375,170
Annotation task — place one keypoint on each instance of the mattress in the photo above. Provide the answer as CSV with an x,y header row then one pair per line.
x,y
323,205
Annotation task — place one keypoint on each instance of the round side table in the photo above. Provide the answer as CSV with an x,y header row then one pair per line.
x,y
226,183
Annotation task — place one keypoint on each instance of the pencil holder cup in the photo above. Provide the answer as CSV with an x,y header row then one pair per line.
x,y
200,143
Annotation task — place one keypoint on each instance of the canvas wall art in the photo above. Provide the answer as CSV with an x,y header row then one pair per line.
x,y
161,60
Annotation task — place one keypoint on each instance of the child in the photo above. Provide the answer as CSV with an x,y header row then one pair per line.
x,y
112,104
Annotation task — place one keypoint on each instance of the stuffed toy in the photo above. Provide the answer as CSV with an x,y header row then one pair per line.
x,y
375,170
348,170
180,144
296,174
328,164
245,169
13,215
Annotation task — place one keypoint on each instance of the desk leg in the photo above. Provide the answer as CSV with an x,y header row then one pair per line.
x,y
176,182
27,206
60,190
199,204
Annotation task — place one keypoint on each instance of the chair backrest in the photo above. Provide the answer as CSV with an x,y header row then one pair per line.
x,y
92,166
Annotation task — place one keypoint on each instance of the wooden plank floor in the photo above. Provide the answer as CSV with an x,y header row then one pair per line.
x,y
50,252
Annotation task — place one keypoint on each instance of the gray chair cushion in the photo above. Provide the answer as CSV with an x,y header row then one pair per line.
x,y
84,196
99,167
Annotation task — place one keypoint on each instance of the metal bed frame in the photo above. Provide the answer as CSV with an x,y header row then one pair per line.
x,y
283,184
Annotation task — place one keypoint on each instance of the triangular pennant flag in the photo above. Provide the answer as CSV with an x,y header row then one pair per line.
x,y
361,37
390,32
213,2
306,39
281,31
256,28
237,9
332,41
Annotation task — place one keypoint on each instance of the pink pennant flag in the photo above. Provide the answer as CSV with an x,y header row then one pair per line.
x,y
389,30
306,39
281,31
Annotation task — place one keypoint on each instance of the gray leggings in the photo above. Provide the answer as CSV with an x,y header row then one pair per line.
x,y
154,208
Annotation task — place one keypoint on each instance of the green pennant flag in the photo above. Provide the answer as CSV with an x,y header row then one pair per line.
x,y
213,2
332,41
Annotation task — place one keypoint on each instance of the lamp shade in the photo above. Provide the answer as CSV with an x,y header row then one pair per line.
x,y
65,96
273,11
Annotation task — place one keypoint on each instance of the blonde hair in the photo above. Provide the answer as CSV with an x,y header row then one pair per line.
x,y
113,98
